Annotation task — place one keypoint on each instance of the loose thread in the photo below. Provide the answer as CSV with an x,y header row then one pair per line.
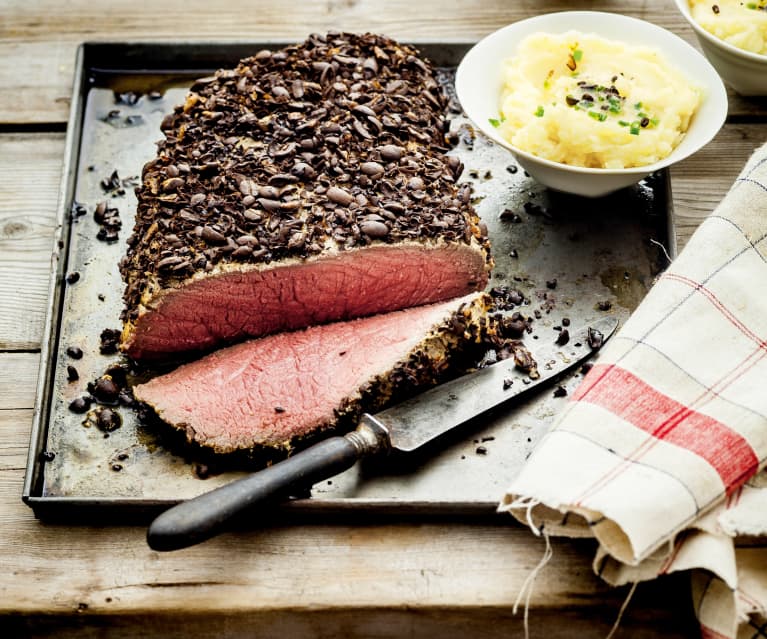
x,y
630,594
528,584
663,249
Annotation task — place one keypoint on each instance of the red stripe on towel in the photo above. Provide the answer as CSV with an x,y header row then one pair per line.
x,y
633,400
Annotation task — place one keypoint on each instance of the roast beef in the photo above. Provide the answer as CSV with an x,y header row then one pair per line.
x,y
273,391
306,185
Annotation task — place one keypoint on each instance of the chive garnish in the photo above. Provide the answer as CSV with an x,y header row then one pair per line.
x,y
539,112
496,122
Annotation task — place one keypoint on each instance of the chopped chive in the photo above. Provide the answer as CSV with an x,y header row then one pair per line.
x,y
577,55
623,123
497,122
641,114
598,116
634,130
751,5
638,106
654,121
539,112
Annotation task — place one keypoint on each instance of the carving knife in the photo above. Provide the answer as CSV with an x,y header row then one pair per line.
x,y
404,427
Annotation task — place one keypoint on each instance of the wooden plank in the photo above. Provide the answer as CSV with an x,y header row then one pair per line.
x,y
30,168
700,182
290,575
37,56
18,379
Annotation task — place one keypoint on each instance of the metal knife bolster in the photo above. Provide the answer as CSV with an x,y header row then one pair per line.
x,y
370,437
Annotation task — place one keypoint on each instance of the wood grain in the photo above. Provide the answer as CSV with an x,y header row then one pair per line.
x,y
30,168
38,39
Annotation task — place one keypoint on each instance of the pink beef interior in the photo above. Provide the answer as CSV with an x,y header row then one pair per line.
x,y
271,390
355,283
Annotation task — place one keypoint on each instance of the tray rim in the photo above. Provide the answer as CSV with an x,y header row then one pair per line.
x,y
51,507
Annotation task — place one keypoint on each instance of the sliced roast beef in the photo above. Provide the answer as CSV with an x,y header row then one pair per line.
x,y
273,391
306,185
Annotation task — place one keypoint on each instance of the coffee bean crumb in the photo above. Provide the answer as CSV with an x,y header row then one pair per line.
x,y
279,409
75,352
481,450
72,374
560,391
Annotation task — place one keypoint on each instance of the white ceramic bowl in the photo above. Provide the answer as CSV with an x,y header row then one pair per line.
x,y
479,80
744,71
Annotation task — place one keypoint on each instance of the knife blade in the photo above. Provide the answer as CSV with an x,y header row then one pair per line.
x,y
404,427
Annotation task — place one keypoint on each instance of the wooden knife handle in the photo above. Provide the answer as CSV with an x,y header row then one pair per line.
x,y
203,517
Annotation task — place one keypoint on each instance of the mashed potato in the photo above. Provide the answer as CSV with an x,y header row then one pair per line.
x,y
585,101
742,24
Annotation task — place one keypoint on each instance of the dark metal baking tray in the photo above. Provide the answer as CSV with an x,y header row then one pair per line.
x,y
602,253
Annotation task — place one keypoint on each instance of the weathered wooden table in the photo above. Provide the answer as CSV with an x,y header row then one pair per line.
x,y
416,577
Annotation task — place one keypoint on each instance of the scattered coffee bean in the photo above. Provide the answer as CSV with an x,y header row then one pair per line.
x,y
75,352
279,409
481,450
552,283
595,338
47,456
563,337
109,341
560,391
587,367
604,305
80,404
72,374
107,419
73,277
104,390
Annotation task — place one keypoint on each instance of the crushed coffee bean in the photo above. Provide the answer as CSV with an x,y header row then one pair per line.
x,y
130,98
47,456
560,391
80,404
107,419
109,340
75,352
563,337
72,374
104,389
595,338
481,450
279,409
73,277
507,383
552,283
604,305
587,367
565,321
108,219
